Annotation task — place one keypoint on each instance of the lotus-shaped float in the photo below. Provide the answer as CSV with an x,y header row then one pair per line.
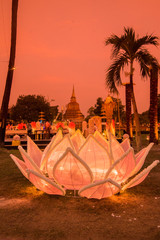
x,y
96,167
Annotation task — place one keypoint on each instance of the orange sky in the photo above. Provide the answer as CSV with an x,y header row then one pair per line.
x,y
61,43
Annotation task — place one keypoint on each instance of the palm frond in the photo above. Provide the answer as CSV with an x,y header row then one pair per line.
x,y
129,33
115,41
113,77
124,43
146,40
129,47
146,60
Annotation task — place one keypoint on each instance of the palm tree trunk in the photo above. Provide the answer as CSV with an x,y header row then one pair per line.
x,y
128,110
7,91
153,112
136,115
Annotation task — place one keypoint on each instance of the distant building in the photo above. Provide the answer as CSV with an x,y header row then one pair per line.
x,y
73,112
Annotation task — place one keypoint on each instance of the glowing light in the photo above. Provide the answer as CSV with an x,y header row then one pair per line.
x,y
13,68
100,174
61,168
115,172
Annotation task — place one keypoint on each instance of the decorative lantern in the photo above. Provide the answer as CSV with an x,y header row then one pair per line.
x,y
88,166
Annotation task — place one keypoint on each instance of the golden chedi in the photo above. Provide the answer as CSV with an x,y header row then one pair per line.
x,y
73,112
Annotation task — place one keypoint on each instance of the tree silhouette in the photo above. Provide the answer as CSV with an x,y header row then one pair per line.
x,y
7,91
127,49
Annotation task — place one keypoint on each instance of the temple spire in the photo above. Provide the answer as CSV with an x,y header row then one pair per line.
x,y
73,112
73,97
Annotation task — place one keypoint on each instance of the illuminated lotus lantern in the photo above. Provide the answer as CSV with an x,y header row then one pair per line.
x,y
96,167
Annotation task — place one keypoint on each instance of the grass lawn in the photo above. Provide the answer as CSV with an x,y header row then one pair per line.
x,y
28,214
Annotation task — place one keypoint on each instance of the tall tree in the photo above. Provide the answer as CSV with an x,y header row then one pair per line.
x,y
153,111
118,111
127,49
7,91
98,107
28,108
128,110
158,107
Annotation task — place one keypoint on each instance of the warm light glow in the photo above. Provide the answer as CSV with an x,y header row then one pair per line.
x,y
98,168
13,68
61,168
32,190
81,22
115,172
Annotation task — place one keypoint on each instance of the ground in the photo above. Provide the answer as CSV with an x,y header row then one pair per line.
x,y
28,214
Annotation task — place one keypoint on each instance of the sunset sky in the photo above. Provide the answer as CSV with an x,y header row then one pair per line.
x,y
62,43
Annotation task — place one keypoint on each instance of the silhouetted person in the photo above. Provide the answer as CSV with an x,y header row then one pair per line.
x,y
29,129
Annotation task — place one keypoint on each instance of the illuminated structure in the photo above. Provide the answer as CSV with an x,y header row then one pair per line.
x,y
108,107
73,112
107,112
96,167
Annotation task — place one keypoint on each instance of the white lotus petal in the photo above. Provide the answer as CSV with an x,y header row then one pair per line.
x,y
33,151
96,157
48,146
57,152
44,184
46,154
100,189
77,140
116,151
28,160
72,172
121,169
141,176
140,159
20,164
101,139
125,144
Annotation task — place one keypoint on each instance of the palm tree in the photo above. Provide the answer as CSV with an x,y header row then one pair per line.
x,y
153,111
127,49
7,91
128,109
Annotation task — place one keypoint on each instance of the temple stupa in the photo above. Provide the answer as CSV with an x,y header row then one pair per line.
x,y
73,112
